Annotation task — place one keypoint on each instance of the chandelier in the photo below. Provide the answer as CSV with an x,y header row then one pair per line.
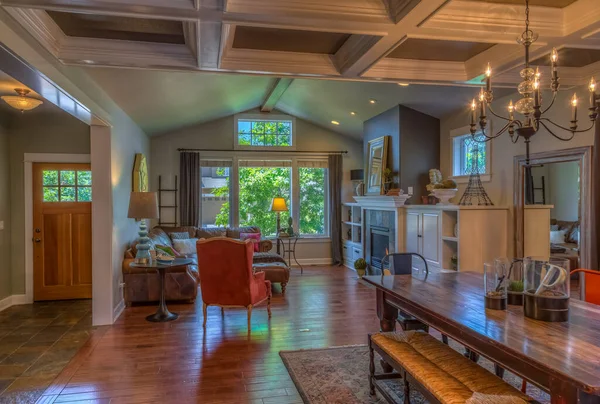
x,y
530,105
21,101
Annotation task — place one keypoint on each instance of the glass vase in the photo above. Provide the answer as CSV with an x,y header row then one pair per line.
x,y
546,289
495,281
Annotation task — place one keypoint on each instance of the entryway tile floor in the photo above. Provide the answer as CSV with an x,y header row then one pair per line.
x,y
36,342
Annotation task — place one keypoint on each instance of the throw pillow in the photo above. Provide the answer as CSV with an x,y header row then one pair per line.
x,y
557,237
184,235
185,247
166,250
255,237
553,227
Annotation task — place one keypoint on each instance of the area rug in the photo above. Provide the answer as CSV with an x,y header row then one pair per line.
x,y
340,375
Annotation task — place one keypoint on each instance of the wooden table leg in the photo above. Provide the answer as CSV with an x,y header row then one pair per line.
x,y
387,319
565,393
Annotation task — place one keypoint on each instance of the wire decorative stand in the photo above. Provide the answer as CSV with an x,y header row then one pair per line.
x,y
475,188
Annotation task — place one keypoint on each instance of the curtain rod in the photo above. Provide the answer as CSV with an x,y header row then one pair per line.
x,y
264,151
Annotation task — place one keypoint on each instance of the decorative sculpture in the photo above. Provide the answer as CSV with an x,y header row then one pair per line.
x,y
475,188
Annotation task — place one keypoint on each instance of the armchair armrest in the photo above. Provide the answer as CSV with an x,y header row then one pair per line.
x,y
259,276
265,245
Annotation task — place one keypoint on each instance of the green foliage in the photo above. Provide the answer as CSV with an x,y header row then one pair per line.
x,y
446,184
50,177
67,178
312,200
516,286
360,264
50,194
264,133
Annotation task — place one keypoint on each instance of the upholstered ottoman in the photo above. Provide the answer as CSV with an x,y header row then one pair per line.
x,y
276,272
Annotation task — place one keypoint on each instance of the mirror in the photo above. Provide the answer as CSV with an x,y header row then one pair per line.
x,y
377,152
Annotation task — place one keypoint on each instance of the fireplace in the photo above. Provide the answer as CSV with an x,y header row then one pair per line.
x,y
380,237
380,244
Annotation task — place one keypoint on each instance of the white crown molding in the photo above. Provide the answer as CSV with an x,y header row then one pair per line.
x,y
269,62
501,57
422,70
191,34
43,28
397,9
582,15
89,51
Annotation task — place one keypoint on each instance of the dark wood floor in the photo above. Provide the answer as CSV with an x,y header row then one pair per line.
x,y
139,362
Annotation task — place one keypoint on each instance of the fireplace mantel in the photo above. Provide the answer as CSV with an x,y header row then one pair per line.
x,y
382,201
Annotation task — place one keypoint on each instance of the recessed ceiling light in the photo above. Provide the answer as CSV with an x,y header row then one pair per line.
x,y
88,61
373,101
403,84
352,113
335,122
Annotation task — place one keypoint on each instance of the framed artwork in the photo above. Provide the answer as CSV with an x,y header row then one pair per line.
x,y
140,173
377,152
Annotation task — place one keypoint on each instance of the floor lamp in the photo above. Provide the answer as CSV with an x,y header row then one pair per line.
x,y
278,205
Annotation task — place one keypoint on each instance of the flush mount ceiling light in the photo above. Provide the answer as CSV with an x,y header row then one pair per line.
x,y
352,113
372,101
21,101
335,122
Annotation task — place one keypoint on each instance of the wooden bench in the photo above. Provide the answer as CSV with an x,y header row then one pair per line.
x,y
437,371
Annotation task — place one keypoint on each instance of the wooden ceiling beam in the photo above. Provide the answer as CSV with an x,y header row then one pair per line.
x,y
279,87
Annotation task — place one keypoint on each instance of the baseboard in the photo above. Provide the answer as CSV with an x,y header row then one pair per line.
x,y
118,310
12,300
313,261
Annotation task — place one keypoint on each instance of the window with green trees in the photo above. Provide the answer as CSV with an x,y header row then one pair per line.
x,y
264,133
312,200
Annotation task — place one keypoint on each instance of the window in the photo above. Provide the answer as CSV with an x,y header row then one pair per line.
x,y
468,151
313,192
67,186
255,132
259,182
216,186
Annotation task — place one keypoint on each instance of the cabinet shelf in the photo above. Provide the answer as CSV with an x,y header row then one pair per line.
x,y
352,224
450,238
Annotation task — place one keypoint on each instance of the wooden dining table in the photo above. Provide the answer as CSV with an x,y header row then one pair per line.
x,y
561,358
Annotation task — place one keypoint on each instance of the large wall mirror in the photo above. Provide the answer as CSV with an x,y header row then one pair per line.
x,y
377,155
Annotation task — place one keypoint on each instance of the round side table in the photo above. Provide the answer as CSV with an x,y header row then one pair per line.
x,y
162,314
290,249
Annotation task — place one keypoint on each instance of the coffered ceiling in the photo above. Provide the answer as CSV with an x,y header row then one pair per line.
x,y
417,41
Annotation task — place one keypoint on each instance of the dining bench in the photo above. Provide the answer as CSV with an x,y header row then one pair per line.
x,y
437,371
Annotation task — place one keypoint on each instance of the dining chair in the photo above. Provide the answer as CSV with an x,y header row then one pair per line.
x,y
403,264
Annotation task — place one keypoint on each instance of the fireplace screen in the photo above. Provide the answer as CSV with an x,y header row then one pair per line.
x,y
379,247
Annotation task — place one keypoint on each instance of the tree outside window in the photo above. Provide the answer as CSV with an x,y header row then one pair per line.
x,y
312,200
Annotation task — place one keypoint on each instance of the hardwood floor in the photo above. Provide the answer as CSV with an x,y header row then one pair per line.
x,y
140,362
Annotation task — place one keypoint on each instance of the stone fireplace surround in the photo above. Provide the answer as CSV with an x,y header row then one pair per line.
x,y
378,224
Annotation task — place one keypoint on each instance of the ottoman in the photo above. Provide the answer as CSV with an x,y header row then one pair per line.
x,y
276,272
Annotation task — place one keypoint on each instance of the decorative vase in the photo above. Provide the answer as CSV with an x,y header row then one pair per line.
x,y
444,195
361,272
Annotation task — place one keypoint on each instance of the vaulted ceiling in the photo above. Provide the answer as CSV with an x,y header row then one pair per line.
x,y
439,43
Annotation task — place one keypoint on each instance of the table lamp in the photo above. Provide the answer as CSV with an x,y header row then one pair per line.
x,y
143,205
278,205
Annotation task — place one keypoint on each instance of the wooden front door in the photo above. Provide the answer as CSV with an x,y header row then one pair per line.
x,y
62,231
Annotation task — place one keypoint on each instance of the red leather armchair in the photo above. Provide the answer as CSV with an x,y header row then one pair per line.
x,y
226,277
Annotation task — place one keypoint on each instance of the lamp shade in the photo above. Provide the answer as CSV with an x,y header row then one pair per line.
x,y
278,205
357,175
21,101
143,205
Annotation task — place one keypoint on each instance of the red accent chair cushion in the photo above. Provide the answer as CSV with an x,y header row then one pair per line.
x,y
254,237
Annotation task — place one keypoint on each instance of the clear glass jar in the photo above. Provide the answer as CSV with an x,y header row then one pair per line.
x,y
495,281
546,288
514,274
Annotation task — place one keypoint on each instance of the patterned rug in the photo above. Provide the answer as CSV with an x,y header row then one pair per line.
x,y
340,375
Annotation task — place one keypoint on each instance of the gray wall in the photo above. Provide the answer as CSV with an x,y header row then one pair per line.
x,y
36,133
5,262
564,190
414,145
219,134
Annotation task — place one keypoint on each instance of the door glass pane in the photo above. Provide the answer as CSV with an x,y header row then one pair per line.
x,y
84,178
51,193
312,200
84,194
67,194
215,196
67,178
50,177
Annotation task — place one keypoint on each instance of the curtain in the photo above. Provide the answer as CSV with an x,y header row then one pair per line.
x,y
189,194
595,208
335,207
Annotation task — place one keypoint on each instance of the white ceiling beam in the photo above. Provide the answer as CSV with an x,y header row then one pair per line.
x,y
352,50
417,70
414,18
397,9
501,57
181,10
279,87
191,34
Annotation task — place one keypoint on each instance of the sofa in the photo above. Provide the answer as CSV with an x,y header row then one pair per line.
x,y
143,285
569,249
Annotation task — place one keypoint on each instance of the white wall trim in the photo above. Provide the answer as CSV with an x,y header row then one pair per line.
x,y
12,300
28,160
118,310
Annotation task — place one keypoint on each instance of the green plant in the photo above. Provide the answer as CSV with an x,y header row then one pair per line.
x,y
387,175
446,184
360,264
516,286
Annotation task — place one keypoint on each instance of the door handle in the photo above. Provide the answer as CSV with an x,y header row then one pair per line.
x,y
418,235
37,240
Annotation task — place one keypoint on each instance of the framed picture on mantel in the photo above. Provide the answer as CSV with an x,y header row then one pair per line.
x,y
377,153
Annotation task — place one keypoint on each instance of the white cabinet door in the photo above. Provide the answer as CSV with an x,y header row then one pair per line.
x,y
431,238
413,232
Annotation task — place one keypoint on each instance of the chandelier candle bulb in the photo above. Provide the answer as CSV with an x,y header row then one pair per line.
x,y
488,80
574,110
473,113
592,93
511,111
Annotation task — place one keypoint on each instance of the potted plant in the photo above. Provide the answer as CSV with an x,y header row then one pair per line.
x,y
444,191
546,289
388,175
454,262
361,267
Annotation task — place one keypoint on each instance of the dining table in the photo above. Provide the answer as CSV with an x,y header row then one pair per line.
x,y
562,358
